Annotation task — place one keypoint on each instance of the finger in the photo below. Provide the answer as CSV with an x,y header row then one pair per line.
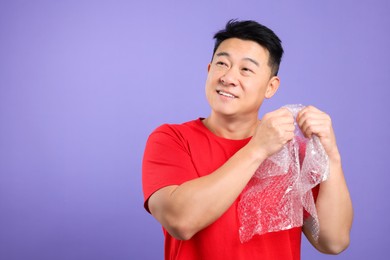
x,y
281,112
309,117
304,115
278,121
287,119
309,110
305,125
319,129
289,127
312,121
287,112
312,109
289,136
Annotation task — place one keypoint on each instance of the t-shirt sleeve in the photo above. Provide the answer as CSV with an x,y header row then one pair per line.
x,y
167,161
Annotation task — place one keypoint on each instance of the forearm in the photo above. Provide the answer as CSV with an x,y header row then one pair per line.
x,y
335,213
196,204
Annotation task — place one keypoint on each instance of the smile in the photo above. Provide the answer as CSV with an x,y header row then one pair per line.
x,y
222,93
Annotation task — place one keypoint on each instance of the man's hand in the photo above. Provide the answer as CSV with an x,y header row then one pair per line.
x,y
273,131
313,121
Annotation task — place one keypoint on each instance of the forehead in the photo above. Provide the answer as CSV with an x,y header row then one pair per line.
x,y
241,49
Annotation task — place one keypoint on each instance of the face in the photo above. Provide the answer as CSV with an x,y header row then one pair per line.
x,y
239,78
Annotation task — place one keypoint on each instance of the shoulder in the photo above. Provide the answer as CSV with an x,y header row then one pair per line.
x,y
179,131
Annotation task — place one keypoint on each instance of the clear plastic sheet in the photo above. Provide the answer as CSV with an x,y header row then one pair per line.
x,y
279,193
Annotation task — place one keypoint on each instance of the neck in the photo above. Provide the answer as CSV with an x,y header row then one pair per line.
x,y
231,127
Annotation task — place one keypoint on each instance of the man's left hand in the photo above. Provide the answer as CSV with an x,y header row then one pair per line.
x,y
313,121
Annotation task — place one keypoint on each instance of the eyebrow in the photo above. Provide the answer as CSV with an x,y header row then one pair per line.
x,y
219,54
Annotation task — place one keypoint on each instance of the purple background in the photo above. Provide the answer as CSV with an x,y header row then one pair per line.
x,y
83,83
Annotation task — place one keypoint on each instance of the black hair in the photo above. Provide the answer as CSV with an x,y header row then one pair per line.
x,y
253,31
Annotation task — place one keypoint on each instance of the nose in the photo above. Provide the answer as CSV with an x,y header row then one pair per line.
x,y
229,78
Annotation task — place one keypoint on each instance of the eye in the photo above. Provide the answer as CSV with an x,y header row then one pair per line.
x,y
221,63
245,69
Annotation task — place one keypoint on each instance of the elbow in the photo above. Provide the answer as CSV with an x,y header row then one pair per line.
x,y
179,225
336,246
181,229
181,234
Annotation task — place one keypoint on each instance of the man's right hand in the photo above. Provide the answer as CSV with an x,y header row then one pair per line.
x,y
273,131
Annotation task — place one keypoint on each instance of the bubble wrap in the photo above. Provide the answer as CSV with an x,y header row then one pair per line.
x,y
280,191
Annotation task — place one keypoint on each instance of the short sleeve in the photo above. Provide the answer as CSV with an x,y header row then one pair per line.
x,y
167,161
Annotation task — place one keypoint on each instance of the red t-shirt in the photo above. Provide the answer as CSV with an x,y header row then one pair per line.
x,y
175,154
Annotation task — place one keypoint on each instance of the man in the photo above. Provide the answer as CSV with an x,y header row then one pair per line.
x,y
194,173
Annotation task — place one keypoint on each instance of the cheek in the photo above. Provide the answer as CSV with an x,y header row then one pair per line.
x,y
256,92
209,77
208,85
255,87
208,89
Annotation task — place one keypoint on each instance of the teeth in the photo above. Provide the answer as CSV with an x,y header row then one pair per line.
x,y
225,94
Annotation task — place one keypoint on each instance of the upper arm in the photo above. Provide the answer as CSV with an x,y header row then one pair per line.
x,y
159,201
166,163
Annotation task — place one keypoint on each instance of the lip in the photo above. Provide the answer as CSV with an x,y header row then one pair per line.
x,y
226,92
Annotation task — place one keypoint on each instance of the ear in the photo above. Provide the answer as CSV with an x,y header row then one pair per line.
x,y
208,67
272,87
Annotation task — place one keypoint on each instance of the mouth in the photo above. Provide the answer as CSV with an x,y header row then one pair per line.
x,y
226,94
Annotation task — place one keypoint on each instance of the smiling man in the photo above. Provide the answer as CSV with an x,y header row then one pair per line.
x,y
194,173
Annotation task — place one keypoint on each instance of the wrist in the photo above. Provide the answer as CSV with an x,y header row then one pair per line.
x,y
334,157
256,153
